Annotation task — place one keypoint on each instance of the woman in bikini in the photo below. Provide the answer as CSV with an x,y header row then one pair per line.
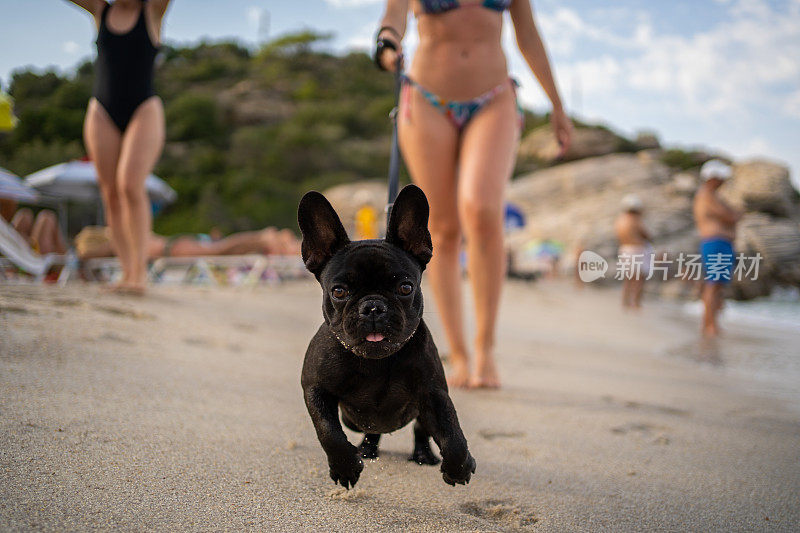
x,y
459,128
124,127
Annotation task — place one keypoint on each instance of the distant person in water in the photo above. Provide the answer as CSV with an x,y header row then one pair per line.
x,y
124,130
40,231
634,250
94,242
716,223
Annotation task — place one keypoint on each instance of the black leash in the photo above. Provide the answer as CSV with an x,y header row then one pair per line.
x,y
394,157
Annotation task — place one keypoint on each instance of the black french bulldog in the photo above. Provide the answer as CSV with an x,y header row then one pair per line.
x,y
373,357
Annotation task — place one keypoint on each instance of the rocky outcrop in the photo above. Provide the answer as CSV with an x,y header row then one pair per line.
x,y
576,204
646,140
540,144
762,186
778,242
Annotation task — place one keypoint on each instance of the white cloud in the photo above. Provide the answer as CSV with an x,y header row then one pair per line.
x,y
70,47
792,104
733,83
254,14
727,68
756,146
363,39
601,75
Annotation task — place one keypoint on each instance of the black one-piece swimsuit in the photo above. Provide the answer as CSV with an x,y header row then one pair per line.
x,y
123,69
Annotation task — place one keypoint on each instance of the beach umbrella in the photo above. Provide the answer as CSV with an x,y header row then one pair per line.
x,y
13,188
513,217
77,181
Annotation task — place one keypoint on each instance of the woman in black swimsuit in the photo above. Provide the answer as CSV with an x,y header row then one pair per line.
x,y
124,127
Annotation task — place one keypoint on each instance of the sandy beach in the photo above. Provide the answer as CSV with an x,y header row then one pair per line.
x,y
183,411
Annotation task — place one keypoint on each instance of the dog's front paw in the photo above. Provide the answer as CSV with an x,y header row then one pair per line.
x,y
346,468
460,473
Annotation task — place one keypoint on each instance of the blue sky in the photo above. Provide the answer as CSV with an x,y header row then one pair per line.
x,y
722,74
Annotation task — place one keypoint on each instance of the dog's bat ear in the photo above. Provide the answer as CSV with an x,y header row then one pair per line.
x,y
408,224
323,233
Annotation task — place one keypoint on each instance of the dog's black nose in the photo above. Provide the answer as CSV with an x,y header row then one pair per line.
x,y
372,308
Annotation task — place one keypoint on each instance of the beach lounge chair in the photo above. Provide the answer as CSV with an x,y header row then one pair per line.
x,y
101,269
16,253
247,270
218,270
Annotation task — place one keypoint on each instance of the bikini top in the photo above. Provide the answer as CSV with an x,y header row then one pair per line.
x,y
434,7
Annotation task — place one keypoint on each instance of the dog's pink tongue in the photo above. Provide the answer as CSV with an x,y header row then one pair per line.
x,y
374,337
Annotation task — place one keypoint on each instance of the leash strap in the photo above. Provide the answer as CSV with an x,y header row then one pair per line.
x,y
394,157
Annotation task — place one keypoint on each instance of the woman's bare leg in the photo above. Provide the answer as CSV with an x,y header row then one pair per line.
x,y
242,243
141,147
103,141
47,233
22,221
429,143
488,150
268,241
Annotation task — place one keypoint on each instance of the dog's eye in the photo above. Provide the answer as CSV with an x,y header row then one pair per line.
x,y
339,293
405,289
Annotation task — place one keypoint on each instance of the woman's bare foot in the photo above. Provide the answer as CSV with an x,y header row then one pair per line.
x,y
111,287
116,286
130,286
459,376
485,376
710,331
131,289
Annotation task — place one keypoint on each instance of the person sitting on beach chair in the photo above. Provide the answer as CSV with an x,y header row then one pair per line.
x,y
40,231
17,254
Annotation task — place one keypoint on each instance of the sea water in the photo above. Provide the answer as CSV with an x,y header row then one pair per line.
x,y
760,342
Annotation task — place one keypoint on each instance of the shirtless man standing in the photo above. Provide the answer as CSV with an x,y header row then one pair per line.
x,y
634,249
716,224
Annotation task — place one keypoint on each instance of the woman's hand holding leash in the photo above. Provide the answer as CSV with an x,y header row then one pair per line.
x,y
562,129
388,49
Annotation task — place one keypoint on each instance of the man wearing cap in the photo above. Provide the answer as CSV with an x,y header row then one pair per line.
x,y
635,252
716,224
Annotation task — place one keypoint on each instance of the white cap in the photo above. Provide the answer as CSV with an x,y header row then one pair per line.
x,y
715,169
632,202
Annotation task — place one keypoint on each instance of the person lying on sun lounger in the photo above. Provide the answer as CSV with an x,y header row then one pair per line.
x,y
94,241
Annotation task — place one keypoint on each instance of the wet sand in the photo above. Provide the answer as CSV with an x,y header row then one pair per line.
x,y
183,410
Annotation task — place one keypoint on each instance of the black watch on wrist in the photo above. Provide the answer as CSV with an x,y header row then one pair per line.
x,y
381,45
